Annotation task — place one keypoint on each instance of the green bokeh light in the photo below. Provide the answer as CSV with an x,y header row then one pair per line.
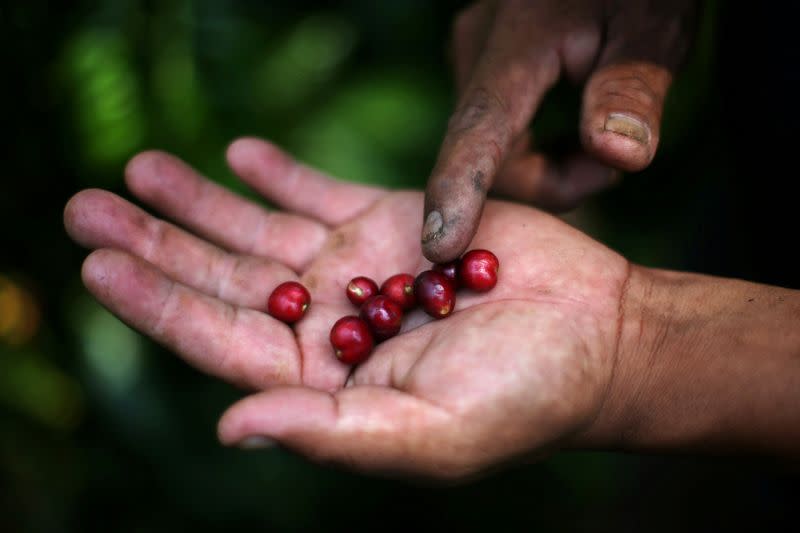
x,y
108,108
112,352
303,61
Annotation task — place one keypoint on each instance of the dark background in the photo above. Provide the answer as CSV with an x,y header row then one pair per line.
x,y
101,430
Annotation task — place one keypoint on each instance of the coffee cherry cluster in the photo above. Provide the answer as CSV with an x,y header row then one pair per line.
x,y
381,309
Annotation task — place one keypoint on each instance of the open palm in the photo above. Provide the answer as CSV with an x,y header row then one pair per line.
x,y
511,372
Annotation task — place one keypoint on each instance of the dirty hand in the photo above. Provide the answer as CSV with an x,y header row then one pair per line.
x,y
507,54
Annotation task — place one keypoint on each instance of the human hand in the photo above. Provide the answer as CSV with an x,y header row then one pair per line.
x,y
506,55
511,373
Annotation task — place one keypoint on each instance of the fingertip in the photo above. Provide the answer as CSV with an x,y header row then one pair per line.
x,y
449,227
236,429
227,432
145,170
238,422
244,153
72,214
579,50
78,213
436,252
453,208
444,244
95,268
239,147
289,413
114,276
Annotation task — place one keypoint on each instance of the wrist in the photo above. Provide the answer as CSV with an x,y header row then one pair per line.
x,y
639,321
702,363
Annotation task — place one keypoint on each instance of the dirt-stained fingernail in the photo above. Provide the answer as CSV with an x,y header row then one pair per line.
x,y
433,226
628,126
256,442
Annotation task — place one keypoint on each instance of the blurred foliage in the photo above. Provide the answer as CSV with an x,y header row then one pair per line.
x,y
108,113
102,430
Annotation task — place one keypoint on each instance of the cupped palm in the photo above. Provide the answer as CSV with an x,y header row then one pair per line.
x,y
511,372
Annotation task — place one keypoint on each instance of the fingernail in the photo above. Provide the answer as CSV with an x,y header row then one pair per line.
x,y
628,126
433,226
256,442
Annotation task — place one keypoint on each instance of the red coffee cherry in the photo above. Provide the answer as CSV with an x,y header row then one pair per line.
x,y
288,302
450,270
351,340
383,316
435,293
400,289
478,270
361,289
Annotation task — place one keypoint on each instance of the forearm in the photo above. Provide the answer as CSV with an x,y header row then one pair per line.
x,y
704,363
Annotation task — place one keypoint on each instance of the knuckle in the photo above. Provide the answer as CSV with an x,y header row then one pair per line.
x,y
233,367
156,235
221,273
166,313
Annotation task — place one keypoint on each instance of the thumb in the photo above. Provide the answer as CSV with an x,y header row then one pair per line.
x,y
624,99
622,108
367,428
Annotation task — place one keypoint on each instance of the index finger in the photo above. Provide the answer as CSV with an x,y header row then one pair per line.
x,y
517,67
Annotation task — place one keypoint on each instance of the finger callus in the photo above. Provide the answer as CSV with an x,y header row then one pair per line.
x,y
517,66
